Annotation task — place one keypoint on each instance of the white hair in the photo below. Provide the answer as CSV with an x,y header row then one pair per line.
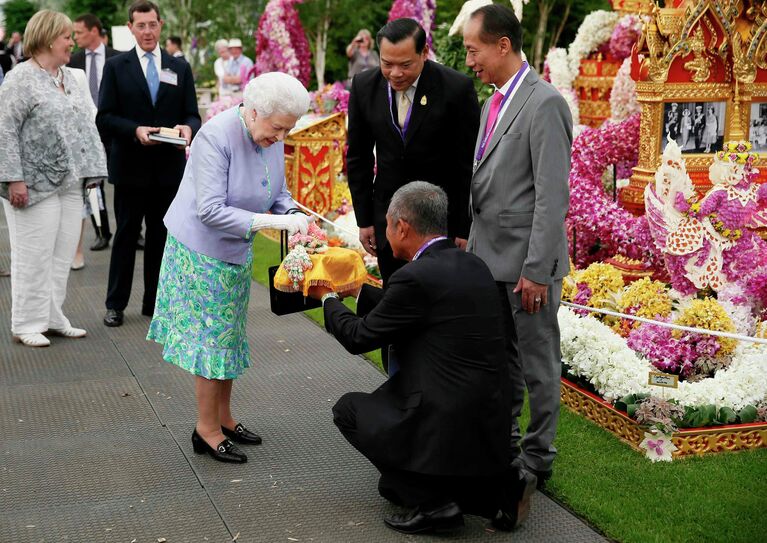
x,y
220,44
276,92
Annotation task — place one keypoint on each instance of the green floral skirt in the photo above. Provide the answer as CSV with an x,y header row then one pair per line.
x,y
200,312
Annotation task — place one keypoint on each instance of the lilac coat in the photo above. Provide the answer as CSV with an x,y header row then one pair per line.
x,y
224,184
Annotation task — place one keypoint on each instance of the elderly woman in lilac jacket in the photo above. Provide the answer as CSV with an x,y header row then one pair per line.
x,y
233,185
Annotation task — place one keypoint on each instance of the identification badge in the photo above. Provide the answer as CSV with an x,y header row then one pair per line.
x,y
169,76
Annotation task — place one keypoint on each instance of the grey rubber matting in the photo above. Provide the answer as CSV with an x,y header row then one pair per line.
x,y
95,438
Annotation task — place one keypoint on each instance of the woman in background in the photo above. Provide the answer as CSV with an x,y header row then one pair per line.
x,y
361,53
51,149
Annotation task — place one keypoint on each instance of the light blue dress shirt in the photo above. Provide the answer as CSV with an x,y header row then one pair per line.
x,y
225,183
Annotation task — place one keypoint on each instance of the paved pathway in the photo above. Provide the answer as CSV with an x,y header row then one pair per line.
x,y
95,439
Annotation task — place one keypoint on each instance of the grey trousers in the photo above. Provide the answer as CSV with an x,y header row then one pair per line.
x,y
535,364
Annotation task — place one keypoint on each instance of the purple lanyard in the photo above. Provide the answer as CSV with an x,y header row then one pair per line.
x,y
427,245
490,130
403,130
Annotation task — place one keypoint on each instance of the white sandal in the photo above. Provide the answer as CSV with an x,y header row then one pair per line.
x,y
70,332
32,340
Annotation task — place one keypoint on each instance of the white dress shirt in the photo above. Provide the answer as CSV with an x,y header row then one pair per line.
x,y
101,58
144,61
505,89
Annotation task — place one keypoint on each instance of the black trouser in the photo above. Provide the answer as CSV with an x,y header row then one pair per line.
x,y
132,205
481,496
102,231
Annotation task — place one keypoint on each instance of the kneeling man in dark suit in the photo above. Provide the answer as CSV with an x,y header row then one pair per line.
x,y
438,428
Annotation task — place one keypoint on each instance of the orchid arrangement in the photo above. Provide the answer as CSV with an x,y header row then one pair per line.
x,y
281,43
603,227
423,11
625,34
623,97
330,99
596,30
595,353
221,105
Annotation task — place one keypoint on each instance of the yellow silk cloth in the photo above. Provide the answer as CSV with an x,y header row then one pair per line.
x,y
339,269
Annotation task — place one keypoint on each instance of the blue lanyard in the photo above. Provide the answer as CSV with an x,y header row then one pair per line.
x,y
427,245
403,130
490,130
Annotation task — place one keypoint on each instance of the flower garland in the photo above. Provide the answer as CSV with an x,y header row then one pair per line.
x,y
423,11
330,99
623,97
625,34
596,30
556,71
281,43
602,227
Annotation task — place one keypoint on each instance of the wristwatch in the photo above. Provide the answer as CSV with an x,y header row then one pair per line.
x,y
328,295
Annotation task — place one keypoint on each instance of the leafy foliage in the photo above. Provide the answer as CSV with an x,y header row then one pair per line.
x,y
17,13
109,12
347,18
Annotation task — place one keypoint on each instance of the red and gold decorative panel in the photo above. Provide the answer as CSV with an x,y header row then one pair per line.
x,y
314,157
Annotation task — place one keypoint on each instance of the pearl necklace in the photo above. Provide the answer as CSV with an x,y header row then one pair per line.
x,y
57,79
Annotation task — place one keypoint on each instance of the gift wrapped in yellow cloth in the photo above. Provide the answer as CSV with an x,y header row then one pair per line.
x,y
339,269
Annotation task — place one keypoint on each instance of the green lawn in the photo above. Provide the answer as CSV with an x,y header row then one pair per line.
x,y
716,498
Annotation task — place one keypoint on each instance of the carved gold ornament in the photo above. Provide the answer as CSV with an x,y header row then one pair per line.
x,y
688,441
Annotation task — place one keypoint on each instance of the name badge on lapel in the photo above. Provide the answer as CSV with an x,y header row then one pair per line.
x,y
169,76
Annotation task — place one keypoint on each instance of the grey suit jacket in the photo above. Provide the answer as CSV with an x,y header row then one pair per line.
x,y
519,191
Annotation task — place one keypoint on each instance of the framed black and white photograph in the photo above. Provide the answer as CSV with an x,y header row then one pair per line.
x,y
757,126
697,127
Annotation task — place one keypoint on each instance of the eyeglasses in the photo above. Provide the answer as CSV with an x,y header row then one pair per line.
x,y
143,26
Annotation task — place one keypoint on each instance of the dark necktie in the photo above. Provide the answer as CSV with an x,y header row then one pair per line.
x,y
93,79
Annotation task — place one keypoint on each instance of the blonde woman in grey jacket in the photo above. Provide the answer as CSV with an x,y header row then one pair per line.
x,y
51,151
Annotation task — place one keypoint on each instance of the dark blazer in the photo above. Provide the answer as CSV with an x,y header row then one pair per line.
x,y
438,146
443,412
77,60
125,104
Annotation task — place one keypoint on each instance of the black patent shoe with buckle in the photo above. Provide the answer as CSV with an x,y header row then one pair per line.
x,y
226,451
240,434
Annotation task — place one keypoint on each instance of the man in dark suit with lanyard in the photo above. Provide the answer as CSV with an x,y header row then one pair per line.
x,y
91,58
143,90
422,119
438,428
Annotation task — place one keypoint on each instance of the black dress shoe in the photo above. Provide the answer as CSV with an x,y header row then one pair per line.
x,y
114,317
443,518
225,452
101,243
240,434
542,476
520,486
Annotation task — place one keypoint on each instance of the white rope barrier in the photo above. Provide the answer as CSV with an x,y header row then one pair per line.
x,y
739,337
751,339
320,217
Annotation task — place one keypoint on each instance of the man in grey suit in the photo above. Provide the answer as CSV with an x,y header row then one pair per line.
x,y
519,199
